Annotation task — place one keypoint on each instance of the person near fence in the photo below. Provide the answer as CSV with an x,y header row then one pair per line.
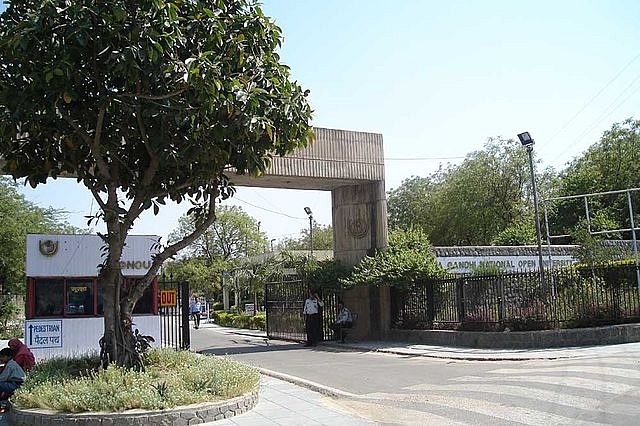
x,y
343,320
195,312
12,375
22,354
311,313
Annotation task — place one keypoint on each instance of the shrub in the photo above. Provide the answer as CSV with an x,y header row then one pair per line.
x,y
171,378
230,319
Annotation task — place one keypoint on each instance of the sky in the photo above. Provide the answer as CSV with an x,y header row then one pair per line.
x,y
436,79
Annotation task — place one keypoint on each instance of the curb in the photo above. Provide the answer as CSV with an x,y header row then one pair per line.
x,y
316,387
178,416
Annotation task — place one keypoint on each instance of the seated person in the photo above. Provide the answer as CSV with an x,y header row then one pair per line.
x,y
343,320
12,375
22,354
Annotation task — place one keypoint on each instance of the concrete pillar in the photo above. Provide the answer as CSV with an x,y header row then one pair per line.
x,y
359,229
359,221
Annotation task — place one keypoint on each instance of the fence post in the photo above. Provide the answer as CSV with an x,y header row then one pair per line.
x,y
500,299
460,299
431,314
184,308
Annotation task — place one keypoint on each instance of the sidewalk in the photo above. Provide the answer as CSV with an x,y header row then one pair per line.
x,y
285,403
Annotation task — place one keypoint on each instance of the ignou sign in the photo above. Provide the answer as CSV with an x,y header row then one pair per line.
x,y
467,264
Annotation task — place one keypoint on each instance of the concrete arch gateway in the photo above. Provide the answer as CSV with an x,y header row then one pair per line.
x,y
349,164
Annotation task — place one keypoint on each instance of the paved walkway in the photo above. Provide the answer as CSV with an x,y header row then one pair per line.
x,y
284,403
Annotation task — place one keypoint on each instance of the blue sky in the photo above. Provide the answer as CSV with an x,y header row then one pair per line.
x,y
437,78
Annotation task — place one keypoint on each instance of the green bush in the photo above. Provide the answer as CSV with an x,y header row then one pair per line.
x,y
231,319
172,378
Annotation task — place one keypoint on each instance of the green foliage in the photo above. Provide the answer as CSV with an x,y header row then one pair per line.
x,y
408,259
233,235
19,218
470,203
327,274
8,310
516,234
591,249
611,164
172,378
144,102
231,319
322,239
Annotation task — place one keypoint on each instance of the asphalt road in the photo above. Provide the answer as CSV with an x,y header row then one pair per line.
x,y
598,388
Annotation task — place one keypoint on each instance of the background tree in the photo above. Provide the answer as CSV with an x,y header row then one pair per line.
x,y
19,217
204,275
469,203
254,274
144,102
609,165
233,236
322,239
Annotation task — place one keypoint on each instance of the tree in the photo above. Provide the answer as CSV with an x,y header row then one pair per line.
x,y
232,236
253,275
204,275
322,239
470,203
609,165
144,102
407,260
19,218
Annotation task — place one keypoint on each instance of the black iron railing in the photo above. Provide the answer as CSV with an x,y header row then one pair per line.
x,y
284,301
566,298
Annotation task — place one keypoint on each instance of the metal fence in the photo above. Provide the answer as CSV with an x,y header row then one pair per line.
x,y
174,320
568,298
284,302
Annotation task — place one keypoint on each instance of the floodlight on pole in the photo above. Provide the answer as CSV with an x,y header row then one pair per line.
x,y
309,213
527,141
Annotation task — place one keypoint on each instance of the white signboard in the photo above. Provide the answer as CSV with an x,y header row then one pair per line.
x,y
44,334
80,255
467,264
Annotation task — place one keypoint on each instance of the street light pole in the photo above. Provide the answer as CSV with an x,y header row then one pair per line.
x,y
528,142
307,210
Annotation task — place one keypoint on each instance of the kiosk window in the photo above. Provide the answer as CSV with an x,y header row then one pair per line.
x,y
145,304
49,297
80,297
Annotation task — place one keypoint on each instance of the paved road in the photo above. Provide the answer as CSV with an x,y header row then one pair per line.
x,y
598,386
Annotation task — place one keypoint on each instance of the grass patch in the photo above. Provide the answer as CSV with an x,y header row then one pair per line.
x,y
171,378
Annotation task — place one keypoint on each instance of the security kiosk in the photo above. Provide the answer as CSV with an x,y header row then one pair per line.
x,y
64,305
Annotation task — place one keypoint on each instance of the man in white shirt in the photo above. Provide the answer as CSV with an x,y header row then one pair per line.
x,y
195,311
311,313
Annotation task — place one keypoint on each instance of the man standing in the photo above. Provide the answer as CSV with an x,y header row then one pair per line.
x,y
195,312
311,312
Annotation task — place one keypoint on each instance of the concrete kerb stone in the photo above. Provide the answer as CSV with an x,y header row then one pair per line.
x,y
316,387
179,416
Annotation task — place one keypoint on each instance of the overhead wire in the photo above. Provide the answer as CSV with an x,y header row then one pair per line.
x,y
568,122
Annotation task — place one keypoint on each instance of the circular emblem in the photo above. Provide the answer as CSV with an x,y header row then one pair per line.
x,y
48,247
358,227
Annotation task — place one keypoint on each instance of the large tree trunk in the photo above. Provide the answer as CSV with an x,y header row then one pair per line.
x,y
119,344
